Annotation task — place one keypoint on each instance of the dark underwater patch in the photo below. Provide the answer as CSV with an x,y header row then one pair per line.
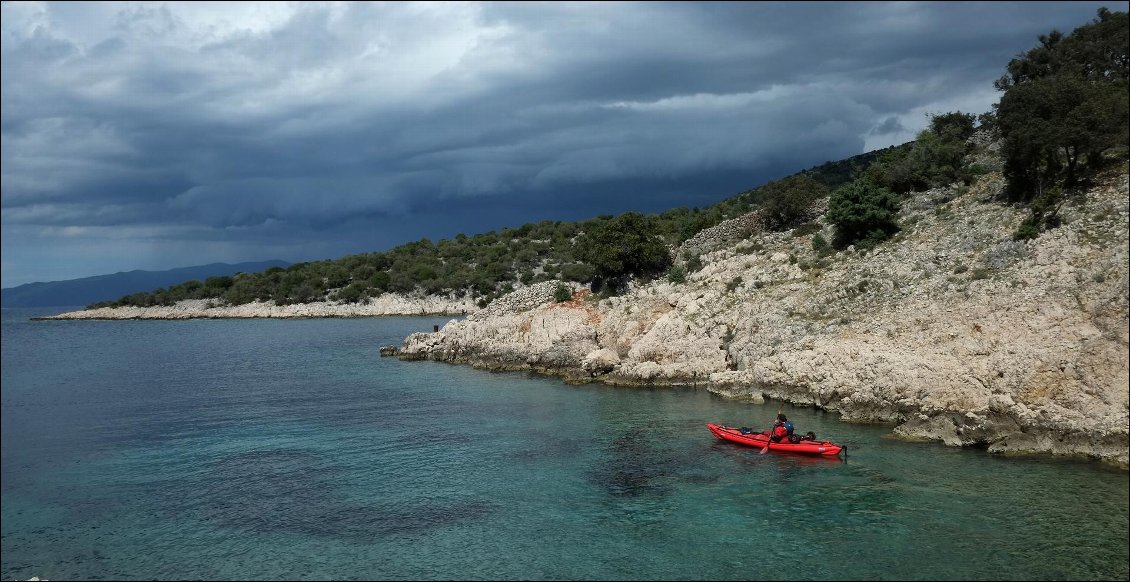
x,y
296,491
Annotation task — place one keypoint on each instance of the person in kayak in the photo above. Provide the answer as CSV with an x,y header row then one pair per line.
x,y
781,429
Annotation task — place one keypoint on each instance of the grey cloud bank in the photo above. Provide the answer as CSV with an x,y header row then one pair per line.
x,y
151,136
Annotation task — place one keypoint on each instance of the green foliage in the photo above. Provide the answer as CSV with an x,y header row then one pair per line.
x,y
222,282
579,272
694,262
351,293
380,281
863,213
677,274
1065,104
835,174
1043,214
785,201
623,247
806,229
935,158
561,293
821,246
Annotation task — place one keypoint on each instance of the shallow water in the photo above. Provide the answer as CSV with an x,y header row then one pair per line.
x,y
288,449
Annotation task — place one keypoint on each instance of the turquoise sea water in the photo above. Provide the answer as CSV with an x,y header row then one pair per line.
x,y
257,449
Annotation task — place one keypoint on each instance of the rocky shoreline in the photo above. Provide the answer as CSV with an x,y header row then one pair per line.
x,y
387,304
952,331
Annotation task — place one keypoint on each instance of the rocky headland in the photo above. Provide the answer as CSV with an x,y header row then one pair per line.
x,y
952,331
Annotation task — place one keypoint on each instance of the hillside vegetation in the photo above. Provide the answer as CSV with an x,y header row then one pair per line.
x,y
932,293
487,265
1062,118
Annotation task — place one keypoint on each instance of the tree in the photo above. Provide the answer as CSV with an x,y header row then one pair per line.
x,y
863,213
622,247
1056,127
219,283
1065,104
785,201
936,157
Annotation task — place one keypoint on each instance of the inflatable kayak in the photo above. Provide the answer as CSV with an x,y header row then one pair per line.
x,y
761,440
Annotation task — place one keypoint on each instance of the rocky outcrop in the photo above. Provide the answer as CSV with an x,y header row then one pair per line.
x,y
387,304
952,331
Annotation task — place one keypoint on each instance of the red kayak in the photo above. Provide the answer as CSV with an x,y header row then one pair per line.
x,y
761,440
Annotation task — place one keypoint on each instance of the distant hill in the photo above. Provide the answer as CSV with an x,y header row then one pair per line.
x,y
106,287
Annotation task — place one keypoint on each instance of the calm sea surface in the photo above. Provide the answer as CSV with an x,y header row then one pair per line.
x,y
258,449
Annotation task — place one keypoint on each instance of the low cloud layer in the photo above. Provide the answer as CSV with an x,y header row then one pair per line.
x,y
162,135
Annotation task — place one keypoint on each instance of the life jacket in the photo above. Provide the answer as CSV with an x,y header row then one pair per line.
x,y
783,429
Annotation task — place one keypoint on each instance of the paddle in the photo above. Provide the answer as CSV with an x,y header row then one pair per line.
x,y
769,440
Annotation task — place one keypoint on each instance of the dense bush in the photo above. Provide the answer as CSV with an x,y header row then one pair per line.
x,y
863,213
623,247
788,200
677,274
561,293
1064,106
935,158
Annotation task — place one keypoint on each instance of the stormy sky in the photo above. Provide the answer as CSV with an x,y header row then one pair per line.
x,y
160,135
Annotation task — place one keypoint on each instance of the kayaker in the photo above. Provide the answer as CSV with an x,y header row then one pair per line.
x,y
781,429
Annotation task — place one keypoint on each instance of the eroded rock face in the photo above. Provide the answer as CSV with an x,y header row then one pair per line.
x,y
952,330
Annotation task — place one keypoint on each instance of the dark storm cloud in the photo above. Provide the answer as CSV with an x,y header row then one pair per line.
x,y
165,135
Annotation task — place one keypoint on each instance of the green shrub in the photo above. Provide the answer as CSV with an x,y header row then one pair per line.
x,y
785,201
935,158
677,274
622,247
1065,104
806,229
863,214
694,263
561,293
821,246
578,272
351,293
1029,229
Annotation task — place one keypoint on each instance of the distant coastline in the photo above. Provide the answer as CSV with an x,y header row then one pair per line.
x,y
91,290
385,305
